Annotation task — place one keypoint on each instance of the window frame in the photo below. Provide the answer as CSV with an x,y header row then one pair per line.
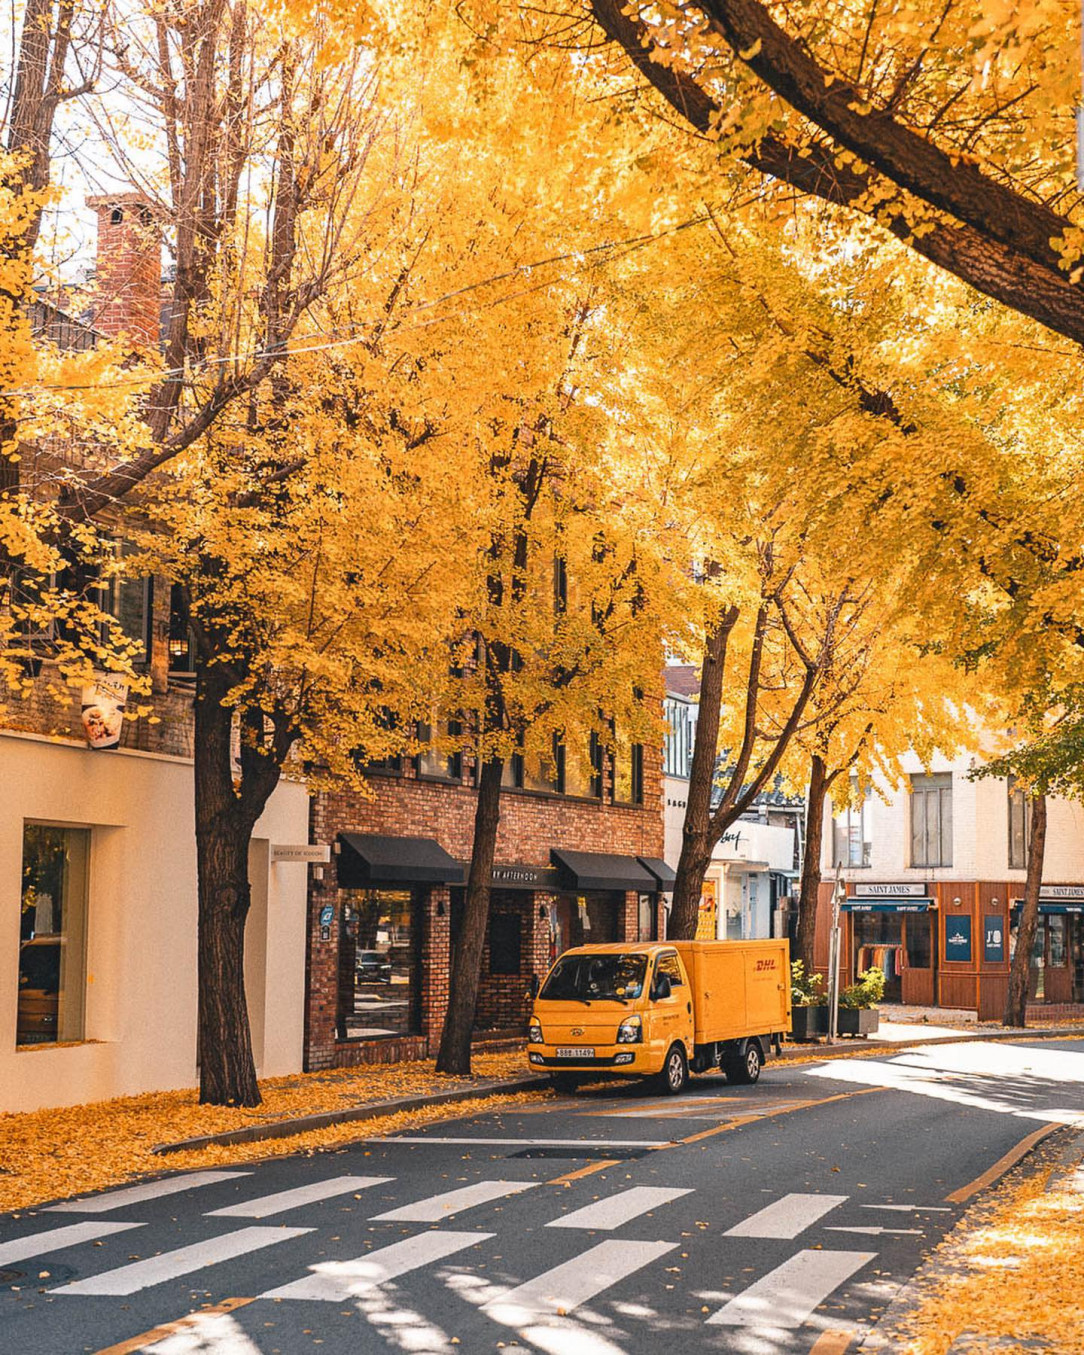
x,y
928,790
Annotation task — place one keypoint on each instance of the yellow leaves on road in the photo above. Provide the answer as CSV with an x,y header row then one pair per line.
x,y
51,1154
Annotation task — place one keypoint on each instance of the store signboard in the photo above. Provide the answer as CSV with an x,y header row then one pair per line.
x,y
958,939
318,852
101,710
1061,891
993,938
910,890
706,918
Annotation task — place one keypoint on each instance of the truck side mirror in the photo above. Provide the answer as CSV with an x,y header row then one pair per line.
x,y
661,987
534,986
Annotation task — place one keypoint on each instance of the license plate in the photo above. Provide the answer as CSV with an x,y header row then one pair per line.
x,y
581,1052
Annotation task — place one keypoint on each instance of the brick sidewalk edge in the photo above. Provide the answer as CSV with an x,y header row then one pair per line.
x,y
301,1124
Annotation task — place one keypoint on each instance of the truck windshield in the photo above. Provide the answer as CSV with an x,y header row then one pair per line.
x,y
590,977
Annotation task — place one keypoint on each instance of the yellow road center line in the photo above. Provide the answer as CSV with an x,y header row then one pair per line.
x,y
1002,1165
584,1171
136,1343
832,1343
769,1114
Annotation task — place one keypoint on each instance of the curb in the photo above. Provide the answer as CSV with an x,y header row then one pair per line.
x,y
301,1124
864,1046
884,1335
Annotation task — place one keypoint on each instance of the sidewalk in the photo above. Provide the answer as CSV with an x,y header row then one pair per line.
x,y
1008,1277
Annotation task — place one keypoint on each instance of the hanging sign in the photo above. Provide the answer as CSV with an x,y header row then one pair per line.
x,y
102,710
707,912
958,939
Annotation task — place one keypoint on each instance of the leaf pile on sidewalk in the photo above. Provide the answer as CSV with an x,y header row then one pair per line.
x,y
50,1154
1012,1272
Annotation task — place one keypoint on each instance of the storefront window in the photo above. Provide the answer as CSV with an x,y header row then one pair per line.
x,y
1055,930
586,919
919,946
646,917
52,934
379,991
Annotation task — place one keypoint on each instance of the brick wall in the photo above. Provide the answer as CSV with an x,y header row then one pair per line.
x,y
406,806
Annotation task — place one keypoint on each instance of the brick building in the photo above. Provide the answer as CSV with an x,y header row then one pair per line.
x,y
383,917
934,875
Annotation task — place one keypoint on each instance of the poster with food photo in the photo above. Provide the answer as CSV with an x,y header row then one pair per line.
x,y
102,710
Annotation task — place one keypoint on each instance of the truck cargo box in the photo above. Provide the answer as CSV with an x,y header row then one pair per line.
x,y
739,988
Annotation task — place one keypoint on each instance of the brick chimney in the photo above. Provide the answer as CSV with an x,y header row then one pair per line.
x,y
128,273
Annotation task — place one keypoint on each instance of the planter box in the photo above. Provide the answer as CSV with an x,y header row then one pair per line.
x,y
858,1020
808,1023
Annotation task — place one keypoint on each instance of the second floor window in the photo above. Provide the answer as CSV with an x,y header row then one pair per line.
x,y
931,820
1019,826
628,772
853,840
678,743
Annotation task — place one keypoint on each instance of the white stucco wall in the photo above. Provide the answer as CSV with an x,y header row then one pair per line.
x,y
980,833
141,923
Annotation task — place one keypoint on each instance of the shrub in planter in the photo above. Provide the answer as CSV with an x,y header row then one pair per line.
x,y
858,1013
808,1004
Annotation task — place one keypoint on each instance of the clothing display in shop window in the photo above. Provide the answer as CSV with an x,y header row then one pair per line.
x,y
889,959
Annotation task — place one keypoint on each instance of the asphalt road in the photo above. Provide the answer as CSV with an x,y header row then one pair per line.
x,y
750,1219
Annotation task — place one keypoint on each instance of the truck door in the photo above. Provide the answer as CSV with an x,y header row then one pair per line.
x,y
673,1015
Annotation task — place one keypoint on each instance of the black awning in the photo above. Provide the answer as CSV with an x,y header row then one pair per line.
x,y
599,870
366,859
664,875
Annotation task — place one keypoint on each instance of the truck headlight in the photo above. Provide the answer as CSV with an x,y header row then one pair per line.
x,y
630,1031
534,1032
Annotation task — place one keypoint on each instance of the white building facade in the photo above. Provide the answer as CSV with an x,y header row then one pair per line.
x,y
98,925
934,873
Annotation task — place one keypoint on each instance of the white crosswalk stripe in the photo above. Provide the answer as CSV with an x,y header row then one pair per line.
x,y
171,1265
787,1295
574,1282
618,1209
786,1218
335,1281
283,1200
152,1190
437,1207
56,1239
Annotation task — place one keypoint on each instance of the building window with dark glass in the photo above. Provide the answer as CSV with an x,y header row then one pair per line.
x,y
439,760
1019,826
53,934
579,767
379,968
931,820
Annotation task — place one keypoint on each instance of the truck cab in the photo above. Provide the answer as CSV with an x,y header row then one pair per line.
x,y
658,1010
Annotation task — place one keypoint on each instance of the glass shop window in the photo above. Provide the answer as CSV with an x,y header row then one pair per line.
x,y
918,936
379,969
52,934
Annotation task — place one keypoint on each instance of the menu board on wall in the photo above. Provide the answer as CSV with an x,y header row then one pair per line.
x,y
958,939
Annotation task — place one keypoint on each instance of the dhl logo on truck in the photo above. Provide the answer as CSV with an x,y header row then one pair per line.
x,y
761,965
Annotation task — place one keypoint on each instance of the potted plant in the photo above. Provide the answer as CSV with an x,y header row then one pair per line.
x,y
808,1004
858,1014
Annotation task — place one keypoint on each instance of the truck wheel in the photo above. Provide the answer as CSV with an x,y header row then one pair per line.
x,y
745,1068
564,1082
674,1077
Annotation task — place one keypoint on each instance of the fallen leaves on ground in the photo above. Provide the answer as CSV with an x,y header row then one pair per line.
x,y
1011,1274
51,1154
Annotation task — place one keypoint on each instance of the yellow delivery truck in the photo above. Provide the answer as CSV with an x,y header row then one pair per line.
x,y
661,1009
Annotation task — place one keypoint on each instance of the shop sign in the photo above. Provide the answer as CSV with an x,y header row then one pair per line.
x,y
1062,891
888,891
524,877
958,939
319,852
102,710
993,942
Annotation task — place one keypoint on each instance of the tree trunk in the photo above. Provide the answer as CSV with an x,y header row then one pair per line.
x,y
819,781
454,1054
223,832
696,839
1017,1001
